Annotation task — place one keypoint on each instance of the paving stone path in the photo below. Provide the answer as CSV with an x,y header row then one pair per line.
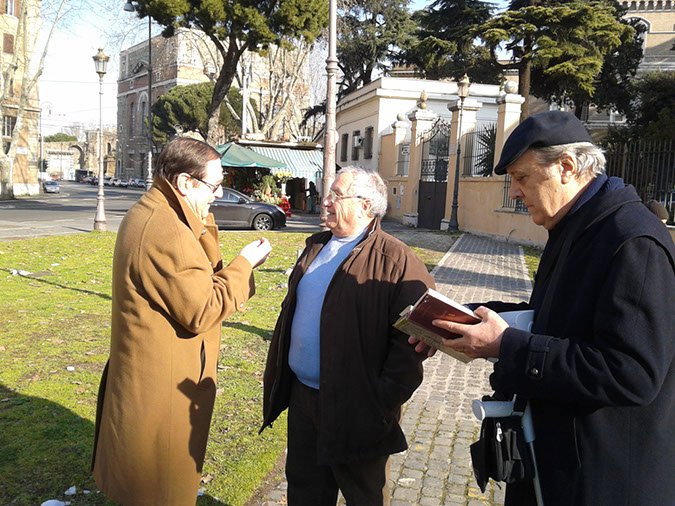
x,y
439,425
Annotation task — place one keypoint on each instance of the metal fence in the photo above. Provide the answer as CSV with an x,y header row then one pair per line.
x,y
435,169
509,203
478,154
649,166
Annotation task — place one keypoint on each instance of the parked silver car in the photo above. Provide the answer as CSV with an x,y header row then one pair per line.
x,y
234,209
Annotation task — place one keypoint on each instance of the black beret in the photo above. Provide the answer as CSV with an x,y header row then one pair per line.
x,y
551,128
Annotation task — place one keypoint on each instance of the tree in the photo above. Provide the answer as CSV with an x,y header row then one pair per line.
x,y
567,42
445,42
234,27
284,73
369,34
185,109
60,137
652,111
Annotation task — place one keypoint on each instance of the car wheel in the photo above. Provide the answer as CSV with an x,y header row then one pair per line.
x,y
263,222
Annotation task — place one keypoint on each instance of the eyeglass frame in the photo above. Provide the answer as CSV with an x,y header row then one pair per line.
x,y
213,187
334,197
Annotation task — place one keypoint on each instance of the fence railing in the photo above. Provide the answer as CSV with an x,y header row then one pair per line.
x,y
509,203
478,153
649,166
434,169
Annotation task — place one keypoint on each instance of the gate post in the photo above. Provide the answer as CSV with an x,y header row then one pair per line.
x,y
469,110
421,121
508,116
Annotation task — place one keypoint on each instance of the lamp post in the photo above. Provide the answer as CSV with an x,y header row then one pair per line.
x,y
101,64
462,92
330,137
129,6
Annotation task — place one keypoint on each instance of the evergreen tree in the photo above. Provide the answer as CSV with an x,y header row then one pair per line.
x,y
445,42
235,26
369,35
185,108
567,42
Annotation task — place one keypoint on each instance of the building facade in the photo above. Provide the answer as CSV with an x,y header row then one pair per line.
x,y
19,103
186,58
658,16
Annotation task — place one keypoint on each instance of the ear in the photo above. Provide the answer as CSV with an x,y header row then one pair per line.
x,y
366,206
568,169
183,183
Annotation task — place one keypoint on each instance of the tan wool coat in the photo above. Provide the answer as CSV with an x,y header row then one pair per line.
x,y
170,296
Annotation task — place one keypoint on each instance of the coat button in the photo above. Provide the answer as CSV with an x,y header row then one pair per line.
x,y
203,231
241,305
534,371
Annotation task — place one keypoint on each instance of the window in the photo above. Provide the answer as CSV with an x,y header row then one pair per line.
x,y
8,124
9,7
131,119
344,144
368,143
8,43
144,124
356,144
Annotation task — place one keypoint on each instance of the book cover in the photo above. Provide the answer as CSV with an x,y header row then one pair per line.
x,y
416,321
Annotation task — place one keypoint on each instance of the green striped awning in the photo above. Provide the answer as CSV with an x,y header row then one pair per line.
x,y
300,162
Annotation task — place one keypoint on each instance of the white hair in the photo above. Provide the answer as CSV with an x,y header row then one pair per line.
x,y
370,186
589,157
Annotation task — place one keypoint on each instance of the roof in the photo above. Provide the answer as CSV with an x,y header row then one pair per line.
x,y
233,155
300,162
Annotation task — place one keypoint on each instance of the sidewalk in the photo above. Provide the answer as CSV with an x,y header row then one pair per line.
x,y
438,423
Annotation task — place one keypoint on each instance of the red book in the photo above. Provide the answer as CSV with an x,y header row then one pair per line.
x,y
416,320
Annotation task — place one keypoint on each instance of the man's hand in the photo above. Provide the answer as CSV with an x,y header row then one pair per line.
x,y
421,347
256,252
481,340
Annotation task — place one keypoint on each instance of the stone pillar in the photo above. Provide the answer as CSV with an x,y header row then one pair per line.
x,y
422,120
508,116
469,110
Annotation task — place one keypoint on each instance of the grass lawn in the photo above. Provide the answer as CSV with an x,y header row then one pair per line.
x,y
54,340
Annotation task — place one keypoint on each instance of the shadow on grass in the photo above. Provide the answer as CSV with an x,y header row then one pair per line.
x,y
265,334
65,287
46,449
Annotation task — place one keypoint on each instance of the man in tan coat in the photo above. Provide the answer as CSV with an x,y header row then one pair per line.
x,y
170,294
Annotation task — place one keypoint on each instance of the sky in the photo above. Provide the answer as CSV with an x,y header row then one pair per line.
x,y
69,85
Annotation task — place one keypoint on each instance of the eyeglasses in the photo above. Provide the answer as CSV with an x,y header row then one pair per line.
x,y
334,197
213,187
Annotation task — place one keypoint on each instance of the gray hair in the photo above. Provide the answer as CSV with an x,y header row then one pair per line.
x,y
590,159
370,186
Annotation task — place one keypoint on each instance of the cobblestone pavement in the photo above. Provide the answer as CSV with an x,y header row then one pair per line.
x,y
439,425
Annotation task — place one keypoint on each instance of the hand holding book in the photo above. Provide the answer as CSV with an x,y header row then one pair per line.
x,y
441,323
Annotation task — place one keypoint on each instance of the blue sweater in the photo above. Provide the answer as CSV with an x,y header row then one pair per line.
x,y
304,353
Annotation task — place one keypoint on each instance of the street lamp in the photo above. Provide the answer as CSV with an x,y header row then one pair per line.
x,y
330,137
129,6
462,92
101,64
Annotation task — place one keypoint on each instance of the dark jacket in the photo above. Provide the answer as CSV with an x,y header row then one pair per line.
x,y
368,369
599,371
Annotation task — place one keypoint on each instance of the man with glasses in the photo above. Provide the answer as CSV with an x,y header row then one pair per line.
x,y
335,360
597,367
170,294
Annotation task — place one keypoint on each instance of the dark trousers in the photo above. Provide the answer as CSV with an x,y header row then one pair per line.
x,y
362,483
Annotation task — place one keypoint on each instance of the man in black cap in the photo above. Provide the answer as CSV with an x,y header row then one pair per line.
x,y
597,366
